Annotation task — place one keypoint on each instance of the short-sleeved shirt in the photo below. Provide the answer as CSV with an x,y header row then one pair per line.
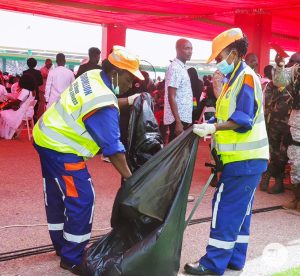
x,y
23,95
177,77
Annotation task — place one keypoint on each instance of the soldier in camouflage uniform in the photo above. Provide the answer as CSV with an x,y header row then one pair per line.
x,y
278,106
291,76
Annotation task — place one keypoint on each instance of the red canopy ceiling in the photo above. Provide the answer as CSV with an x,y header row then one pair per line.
x,y
190,18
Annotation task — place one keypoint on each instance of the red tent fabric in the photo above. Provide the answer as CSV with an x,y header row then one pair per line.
x,y
190,18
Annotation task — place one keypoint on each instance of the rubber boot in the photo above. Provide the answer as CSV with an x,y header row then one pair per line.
x,y
278,187
265,180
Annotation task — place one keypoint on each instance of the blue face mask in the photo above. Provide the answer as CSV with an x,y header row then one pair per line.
x,y
115,89
224,67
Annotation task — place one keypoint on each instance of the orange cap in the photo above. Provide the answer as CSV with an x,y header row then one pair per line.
x,y
224,39
123,59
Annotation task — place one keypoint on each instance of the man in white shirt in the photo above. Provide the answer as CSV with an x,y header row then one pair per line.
x,y
178,107
44,71
58,80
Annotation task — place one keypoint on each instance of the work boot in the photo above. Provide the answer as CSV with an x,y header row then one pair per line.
x,y
264,183
278,187
75,269
197,269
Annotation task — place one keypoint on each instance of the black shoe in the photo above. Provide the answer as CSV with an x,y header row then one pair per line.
x,y
197,269
75,269
232,267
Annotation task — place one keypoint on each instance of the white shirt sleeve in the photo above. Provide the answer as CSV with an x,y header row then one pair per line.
x,y
24,94
48,86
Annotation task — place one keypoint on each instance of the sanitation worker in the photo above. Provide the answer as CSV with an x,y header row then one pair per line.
x,y
82,121
242,143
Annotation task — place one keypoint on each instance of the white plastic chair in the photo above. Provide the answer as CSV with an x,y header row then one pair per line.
x,y
28,118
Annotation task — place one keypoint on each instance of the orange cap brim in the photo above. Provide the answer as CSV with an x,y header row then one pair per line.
x,y
212,57
137,74
223,40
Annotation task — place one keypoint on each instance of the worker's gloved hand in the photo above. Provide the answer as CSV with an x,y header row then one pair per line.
x,y
204,129
132,98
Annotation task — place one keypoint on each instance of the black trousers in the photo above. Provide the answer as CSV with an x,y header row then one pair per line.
x,y
172,126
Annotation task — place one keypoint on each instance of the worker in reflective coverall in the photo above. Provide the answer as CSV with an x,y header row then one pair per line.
x,y
242,143
84,120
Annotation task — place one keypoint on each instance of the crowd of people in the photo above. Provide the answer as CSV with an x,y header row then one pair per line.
x,y
253,117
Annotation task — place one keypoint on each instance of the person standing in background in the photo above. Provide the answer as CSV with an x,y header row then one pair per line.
x,y
58,80
38,80
289,76
94,58
251,60
44,71
178,91
197,88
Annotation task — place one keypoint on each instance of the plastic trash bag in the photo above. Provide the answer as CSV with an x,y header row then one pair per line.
x,y
144,138
148,216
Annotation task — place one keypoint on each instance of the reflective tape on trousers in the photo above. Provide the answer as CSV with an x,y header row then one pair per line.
x,y
242,239
55,226
64,140
76,238
221,244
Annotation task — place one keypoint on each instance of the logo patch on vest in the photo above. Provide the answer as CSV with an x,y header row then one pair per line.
x,y
72,93
87,89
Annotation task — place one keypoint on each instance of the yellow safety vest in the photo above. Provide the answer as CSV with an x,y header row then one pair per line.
x,y
61,127
234,146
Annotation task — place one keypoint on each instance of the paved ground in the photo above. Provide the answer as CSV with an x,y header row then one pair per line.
x,y
274,243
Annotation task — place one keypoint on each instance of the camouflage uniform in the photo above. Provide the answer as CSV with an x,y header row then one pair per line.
x,y
278,106
292,76
294,150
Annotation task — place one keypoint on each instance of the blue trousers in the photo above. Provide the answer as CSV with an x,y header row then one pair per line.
x,y
230,227
69,201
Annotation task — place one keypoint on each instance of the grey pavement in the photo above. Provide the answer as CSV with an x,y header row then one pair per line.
x,y
274,243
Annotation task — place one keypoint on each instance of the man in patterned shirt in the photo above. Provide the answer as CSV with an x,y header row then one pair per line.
x,y
179,96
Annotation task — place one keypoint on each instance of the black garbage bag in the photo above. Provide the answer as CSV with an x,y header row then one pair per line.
x,y
144,138
148,216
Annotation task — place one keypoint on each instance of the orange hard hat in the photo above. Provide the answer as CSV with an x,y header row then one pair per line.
x,y
224,39
123,59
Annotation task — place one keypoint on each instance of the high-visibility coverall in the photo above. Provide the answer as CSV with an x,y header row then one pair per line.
x,y
87,116
244,153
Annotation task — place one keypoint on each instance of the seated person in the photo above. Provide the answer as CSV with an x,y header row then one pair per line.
x,y
3,93
13,111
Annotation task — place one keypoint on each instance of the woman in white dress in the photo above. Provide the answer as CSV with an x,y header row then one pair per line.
x,y
14,110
